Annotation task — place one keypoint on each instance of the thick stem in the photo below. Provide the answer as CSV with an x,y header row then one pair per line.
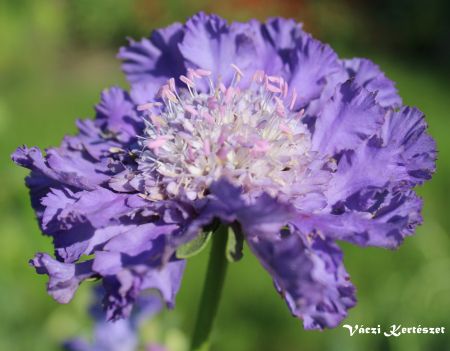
x,y
215,276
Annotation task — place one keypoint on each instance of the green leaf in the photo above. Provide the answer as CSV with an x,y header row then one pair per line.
x,y
235,244
195,246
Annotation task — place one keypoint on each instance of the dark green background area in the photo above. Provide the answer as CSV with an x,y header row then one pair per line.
x,y
55,58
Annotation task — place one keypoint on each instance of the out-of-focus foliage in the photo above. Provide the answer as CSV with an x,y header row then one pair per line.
x,y
55,58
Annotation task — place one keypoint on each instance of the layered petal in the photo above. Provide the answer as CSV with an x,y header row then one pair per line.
x,y
64,278
312,64
80,222
350,117
368,75
59,166
154,59
382,219
116,113
231,206
282,34
210,43
131,262
310,276
405,135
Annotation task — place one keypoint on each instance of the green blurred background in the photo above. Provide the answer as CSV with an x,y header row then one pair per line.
x,y
56,56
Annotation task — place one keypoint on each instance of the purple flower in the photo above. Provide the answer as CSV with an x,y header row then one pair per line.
x,y
120,335
256,125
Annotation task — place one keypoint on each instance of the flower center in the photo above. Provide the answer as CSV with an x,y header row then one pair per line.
x,y
251,136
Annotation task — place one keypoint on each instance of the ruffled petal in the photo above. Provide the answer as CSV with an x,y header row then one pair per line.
x,y
401,155
116,112
80,222
368,75
227,204
405,133
209,43
311,277
382,219
311,64
64,278
124,287
350,117
283,34
131,262
72,170
154,59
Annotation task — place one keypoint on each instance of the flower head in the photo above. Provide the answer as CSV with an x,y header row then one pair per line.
x,y
256,125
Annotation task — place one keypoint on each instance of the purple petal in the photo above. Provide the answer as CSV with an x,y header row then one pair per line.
x,y
123,288
209,43
227,203
350,117
92,143
368,75
283,34
311,64
369,223
80,222
310,277
156,58
71,170
402,155
116,113
64,278
405,132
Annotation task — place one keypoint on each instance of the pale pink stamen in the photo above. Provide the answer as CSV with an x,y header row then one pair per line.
x,y
206,147
285,128
155,144
203,72
187,81
258,76
273,89
148,106
237,70
212,103
285,89
193,74
207,116
157,120
280,109
166,93
293,100
261,146
275,79
191,110
229,94
172,84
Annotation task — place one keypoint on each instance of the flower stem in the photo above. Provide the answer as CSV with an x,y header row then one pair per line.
x,y
215,276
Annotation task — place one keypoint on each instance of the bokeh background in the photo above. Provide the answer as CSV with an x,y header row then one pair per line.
x,y
55,58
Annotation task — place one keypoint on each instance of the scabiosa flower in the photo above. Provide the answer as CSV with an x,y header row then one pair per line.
x,y
257,126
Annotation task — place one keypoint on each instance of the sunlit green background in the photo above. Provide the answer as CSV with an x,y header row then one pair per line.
x,y
56,56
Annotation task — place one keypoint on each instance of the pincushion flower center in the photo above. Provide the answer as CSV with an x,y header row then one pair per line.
x,y
249,135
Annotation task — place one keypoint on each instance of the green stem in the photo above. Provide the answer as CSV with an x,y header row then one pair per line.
x,y
215,276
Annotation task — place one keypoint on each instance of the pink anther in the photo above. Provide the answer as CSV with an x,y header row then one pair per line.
x,y
187,81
